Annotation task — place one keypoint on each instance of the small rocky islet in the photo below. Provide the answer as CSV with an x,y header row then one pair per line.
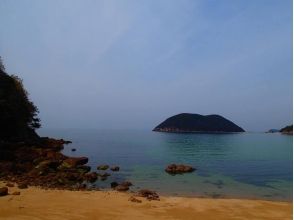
x,y
192,123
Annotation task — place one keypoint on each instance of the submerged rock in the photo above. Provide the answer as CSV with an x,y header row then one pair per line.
x,y
113,184
179,169
102,167
126,183
114,168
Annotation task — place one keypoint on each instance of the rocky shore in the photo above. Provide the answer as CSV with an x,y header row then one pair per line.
x,y
41,163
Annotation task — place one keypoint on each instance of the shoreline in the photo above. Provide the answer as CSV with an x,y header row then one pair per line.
x,y
51,204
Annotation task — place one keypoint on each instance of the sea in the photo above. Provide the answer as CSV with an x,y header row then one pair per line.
x,y
232,165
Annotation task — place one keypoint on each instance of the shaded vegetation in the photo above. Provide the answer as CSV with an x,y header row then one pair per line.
x,y
18,115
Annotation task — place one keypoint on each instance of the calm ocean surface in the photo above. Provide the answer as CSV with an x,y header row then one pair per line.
x,y
245,165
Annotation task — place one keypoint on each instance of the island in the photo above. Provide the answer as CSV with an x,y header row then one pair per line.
x,y
187,122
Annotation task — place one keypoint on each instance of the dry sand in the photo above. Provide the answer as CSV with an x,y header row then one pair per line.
x,y
34,203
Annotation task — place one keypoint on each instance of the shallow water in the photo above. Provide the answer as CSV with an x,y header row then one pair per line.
x,y
241,165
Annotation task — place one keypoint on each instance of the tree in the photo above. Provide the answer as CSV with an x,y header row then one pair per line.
x,y
2,67
18,115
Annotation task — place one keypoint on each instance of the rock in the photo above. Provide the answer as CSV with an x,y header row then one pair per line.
x,y
67,142
178,169
148,194
114,168
133,199
102,167
22,186
83,169
10,184
48,164
73,149
53,155
103,178
103,174
91,177
113,184
74,162
16,193
3,191
122,188
126,183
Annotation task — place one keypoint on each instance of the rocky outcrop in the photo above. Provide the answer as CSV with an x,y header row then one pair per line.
x,y
287,130
187,122
179,169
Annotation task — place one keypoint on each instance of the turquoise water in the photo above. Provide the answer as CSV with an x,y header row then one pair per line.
x,y
239,165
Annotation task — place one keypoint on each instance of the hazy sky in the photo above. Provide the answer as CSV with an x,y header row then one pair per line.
x,y
131,64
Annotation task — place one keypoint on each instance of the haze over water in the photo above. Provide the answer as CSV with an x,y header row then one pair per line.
x,y
239,165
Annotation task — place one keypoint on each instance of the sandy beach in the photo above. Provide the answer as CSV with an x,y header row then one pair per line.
x,y
34,203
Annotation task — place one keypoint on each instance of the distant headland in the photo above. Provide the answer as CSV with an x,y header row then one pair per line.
x,y
287,130
187,122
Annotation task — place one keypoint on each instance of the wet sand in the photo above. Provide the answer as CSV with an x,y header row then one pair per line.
x,y
34,203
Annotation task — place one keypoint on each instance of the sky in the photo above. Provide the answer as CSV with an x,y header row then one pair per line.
x,y
130,64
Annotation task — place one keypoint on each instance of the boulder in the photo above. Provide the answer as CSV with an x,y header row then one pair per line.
x,y
10,185
122,188
83,169
114,168
178,169
126,183
3,191
74,162
91,177
102,167
22,186
113,184
16,193
48,164
148,194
